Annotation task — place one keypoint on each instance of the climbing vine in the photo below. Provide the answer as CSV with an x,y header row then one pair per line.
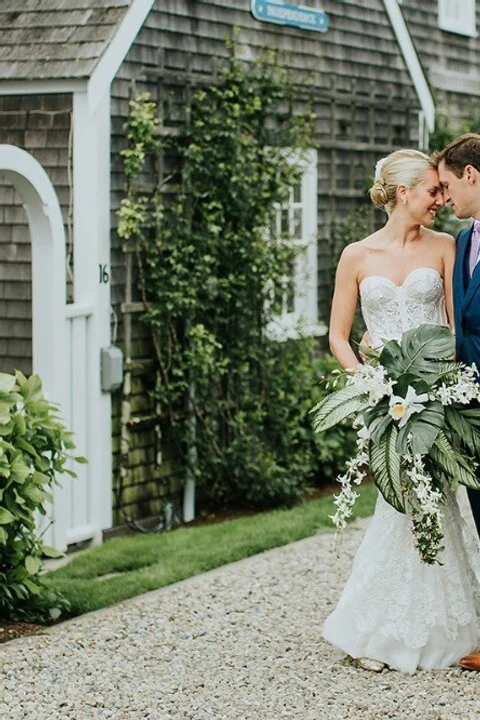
x,y
235,400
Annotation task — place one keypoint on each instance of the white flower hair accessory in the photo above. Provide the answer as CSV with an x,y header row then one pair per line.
x,y
378,169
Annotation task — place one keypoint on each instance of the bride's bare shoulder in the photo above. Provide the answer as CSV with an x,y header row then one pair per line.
x,y
435,236
361,248
441,243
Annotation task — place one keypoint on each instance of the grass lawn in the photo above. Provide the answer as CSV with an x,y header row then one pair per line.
x,y
125,567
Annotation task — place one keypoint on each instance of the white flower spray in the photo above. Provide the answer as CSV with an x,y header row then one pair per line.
x,y
373,381
465,388
425,508
355,473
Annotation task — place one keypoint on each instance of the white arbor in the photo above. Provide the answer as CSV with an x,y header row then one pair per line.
x,y
66,351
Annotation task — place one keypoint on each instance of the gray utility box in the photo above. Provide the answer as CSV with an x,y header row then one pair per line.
x,y
111,365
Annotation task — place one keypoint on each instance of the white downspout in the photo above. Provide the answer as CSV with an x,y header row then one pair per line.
x,y
414,68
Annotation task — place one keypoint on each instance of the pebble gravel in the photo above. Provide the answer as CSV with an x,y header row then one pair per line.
x,y
239,643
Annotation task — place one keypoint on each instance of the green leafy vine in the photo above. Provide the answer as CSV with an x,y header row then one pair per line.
x,y
235,400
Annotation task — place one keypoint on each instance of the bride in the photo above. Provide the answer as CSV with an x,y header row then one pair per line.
x,y
395,610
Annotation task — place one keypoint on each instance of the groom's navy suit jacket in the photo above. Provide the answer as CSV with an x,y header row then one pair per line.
x,y
466,302
466,310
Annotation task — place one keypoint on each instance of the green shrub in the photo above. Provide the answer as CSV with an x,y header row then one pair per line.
x,y
236,402
34,449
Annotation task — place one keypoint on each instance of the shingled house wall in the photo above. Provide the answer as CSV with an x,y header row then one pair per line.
x,y
450,60
41,125
364,103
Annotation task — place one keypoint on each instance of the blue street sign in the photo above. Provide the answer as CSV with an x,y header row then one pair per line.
x,y
299,16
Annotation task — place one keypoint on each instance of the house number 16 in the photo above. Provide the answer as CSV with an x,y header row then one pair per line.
x,y
103,275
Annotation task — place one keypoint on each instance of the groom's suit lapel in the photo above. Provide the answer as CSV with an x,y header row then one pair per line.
x,y
459,280
467,290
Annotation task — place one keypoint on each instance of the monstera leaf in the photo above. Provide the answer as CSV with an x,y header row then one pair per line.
x,y
423,351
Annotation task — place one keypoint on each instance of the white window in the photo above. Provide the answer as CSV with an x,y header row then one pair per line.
x,y
297,220
457,16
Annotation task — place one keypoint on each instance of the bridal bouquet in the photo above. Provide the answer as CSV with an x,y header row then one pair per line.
x,y
417,433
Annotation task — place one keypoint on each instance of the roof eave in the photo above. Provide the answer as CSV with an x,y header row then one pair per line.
x,y
109,63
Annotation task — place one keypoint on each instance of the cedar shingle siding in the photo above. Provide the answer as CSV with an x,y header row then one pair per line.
x,y
451,62
41,125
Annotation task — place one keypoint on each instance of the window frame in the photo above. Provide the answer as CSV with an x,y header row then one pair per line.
x,y
303,320
466,26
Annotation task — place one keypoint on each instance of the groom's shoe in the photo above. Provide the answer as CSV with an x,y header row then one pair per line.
x,y
471,662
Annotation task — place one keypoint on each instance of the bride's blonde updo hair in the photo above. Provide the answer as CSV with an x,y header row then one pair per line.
x,y
402,167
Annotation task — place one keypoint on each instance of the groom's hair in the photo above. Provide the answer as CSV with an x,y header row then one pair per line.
x,y
463,151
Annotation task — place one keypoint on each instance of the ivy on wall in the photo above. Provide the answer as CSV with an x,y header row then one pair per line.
x,y
236,401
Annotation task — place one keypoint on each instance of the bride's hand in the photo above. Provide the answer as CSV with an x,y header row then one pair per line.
x,y
366,341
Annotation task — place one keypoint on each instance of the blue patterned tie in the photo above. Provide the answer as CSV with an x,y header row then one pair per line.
x,y
475,246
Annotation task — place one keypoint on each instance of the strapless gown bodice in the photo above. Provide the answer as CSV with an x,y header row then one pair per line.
x,y
389,309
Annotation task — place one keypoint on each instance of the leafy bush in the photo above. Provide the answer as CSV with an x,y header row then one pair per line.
x,y
34,449
236,401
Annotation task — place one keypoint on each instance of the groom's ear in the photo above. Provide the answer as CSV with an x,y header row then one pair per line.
x,y
471,174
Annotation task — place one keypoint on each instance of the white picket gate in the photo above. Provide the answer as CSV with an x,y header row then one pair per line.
x,y
78,492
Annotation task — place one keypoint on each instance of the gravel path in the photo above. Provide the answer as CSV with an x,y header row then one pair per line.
x,y
239,643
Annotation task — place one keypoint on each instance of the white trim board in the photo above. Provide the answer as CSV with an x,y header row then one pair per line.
x,y
116,51
41,87
91,159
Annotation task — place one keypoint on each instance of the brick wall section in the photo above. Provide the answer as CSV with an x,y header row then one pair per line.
x,y
39,124
364,103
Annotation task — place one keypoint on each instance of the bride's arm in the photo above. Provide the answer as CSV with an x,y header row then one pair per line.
x,y
344,304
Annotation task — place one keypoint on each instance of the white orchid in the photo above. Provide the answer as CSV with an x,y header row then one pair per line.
x,y
372,381
465,388
427,517
402,408
355,473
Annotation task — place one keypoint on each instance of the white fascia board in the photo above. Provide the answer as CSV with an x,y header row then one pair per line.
x,y
41,87
411,59
91,203
105,71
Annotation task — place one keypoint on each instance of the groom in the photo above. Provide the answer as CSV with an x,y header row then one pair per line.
x,y
458,168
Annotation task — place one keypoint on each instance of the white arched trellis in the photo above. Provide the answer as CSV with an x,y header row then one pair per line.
x,y
66,348
48,264
39,199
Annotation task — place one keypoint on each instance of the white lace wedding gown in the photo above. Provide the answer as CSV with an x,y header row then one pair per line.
x,y
394,608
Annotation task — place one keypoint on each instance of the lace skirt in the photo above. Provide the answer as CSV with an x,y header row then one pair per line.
x,y
403,612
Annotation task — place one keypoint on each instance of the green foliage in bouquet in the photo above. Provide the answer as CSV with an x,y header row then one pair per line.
x,y
417,430
337,444
34,449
